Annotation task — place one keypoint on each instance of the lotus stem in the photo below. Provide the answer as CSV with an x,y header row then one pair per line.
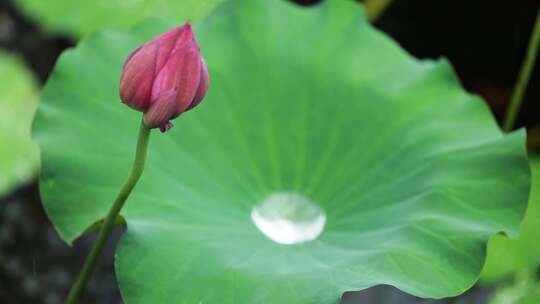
x,y
523,78
109,223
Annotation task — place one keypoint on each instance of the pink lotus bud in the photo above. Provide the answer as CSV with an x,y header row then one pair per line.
x,y
165,77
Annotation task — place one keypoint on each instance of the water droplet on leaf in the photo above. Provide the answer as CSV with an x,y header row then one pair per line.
x,y
289,218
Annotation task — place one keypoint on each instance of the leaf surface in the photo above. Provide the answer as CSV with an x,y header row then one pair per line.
x,y
83,17
19,158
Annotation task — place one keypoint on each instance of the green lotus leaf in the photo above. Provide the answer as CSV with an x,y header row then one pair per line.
x,y
404,174
507,256
19,158
83,17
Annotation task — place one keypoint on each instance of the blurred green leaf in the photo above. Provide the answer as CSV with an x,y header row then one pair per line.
x,y
83,17
413,174
525,290
506,256
18,93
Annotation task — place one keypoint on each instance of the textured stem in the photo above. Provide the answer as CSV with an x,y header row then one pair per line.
x,y
90,262
523,78
375,8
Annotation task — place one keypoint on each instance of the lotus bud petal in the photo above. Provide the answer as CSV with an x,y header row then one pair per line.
x,y
203,86
158,114
182,74
165,77
138,77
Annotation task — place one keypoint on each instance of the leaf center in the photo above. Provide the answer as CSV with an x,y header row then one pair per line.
x,y
289,218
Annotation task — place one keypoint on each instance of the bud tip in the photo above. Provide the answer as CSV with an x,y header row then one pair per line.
x,y
166,127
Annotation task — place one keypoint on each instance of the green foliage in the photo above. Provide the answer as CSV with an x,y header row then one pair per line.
x,y
525,290
517,260
506,256
412,172
18,155
82,17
